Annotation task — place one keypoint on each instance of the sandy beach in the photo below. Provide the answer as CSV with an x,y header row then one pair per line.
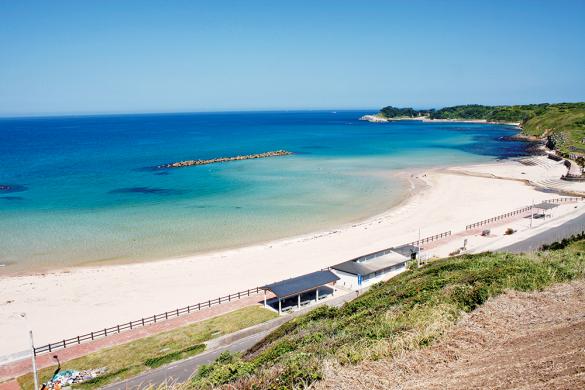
x,y
69,302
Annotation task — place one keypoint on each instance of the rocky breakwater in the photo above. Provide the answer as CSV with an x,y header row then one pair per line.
x,y
190,163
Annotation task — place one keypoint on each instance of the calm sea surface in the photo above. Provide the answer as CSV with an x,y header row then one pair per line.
x,y
83,191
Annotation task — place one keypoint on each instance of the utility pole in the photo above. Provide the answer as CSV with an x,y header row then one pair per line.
x,y
34,362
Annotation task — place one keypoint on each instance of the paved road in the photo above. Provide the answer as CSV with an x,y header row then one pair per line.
x,y
237,342
573,226
183,370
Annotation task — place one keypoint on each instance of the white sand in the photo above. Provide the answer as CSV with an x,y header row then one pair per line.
x,y
71,302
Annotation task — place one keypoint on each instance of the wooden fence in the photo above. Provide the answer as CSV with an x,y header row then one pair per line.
x,y
564,200
430,239
143,322
498,218
519,211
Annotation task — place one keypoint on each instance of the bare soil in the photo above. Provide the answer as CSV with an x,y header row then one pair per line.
x,y
515,341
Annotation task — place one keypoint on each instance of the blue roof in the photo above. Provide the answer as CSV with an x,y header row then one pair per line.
x,y
294,286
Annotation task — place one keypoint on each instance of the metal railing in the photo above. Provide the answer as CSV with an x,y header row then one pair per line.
x,y
143,322
519,211
498,218
430,239
564,200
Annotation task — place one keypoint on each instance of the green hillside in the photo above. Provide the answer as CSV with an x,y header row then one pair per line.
x,y
562,123
407,312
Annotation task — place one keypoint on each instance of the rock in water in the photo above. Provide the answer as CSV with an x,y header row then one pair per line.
x,y
190,163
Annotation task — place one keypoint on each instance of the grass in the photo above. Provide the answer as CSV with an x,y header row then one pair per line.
x,y
405,313
127,360
564,122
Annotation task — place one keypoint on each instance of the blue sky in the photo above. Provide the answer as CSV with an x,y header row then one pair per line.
x,y
157,56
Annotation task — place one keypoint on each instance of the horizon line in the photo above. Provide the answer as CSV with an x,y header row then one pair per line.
x,y
125,113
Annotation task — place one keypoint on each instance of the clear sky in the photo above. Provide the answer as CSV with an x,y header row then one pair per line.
x,y
159,56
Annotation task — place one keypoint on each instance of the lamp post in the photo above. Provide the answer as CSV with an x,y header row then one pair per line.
x,y
32,350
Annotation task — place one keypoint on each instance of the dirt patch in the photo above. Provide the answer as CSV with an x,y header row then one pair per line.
x,y
515,341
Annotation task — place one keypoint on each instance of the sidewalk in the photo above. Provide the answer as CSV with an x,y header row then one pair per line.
x,y
23,366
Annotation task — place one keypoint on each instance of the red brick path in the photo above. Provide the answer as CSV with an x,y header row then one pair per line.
x,y
21,367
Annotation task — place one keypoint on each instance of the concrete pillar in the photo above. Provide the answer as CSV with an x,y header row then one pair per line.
x,y
317,296
279,306
299,301
264,298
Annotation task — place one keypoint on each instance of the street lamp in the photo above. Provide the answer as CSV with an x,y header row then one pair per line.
x,y
32,349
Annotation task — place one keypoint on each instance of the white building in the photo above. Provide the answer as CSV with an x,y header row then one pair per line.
x,y
374,267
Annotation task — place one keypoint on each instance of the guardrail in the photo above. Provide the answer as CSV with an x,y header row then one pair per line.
x,y
519,211
498,218
142,322
564,200
430,239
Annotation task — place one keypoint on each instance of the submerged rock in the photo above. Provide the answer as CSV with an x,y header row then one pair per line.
x,y
147,190
12,188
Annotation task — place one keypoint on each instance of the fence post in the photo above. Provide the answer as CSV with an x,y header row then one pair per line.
x,y
209,302
199,306
177,312
91,338
78,341
130,325
143,320
105,332
64,345
118,326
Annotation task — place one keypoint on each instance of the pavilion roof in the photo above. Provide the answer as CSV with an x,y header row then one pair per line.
x,y
294,286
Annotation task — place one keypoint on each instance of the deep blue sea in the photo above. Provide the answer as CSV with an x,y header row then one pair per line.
x,y
83,191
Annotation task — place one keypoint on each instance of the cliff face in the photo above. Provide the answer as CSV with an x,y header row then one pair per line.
x,y
189,163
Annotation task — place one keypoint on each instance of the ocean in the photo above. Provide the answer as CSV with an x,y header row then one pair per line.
x,y
82,190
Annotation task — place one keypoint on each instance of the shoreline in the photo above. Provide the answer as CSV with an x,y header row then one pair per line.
x,y
441,199
416,187
406,175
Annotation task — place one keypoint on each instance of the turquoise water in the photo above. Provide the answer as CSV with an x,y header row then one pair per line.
x,y
83,189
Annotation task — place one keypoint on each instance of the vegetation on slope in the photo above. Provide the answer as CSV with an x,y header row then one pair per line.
x,y
128,360
562,123
395,112
407,312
